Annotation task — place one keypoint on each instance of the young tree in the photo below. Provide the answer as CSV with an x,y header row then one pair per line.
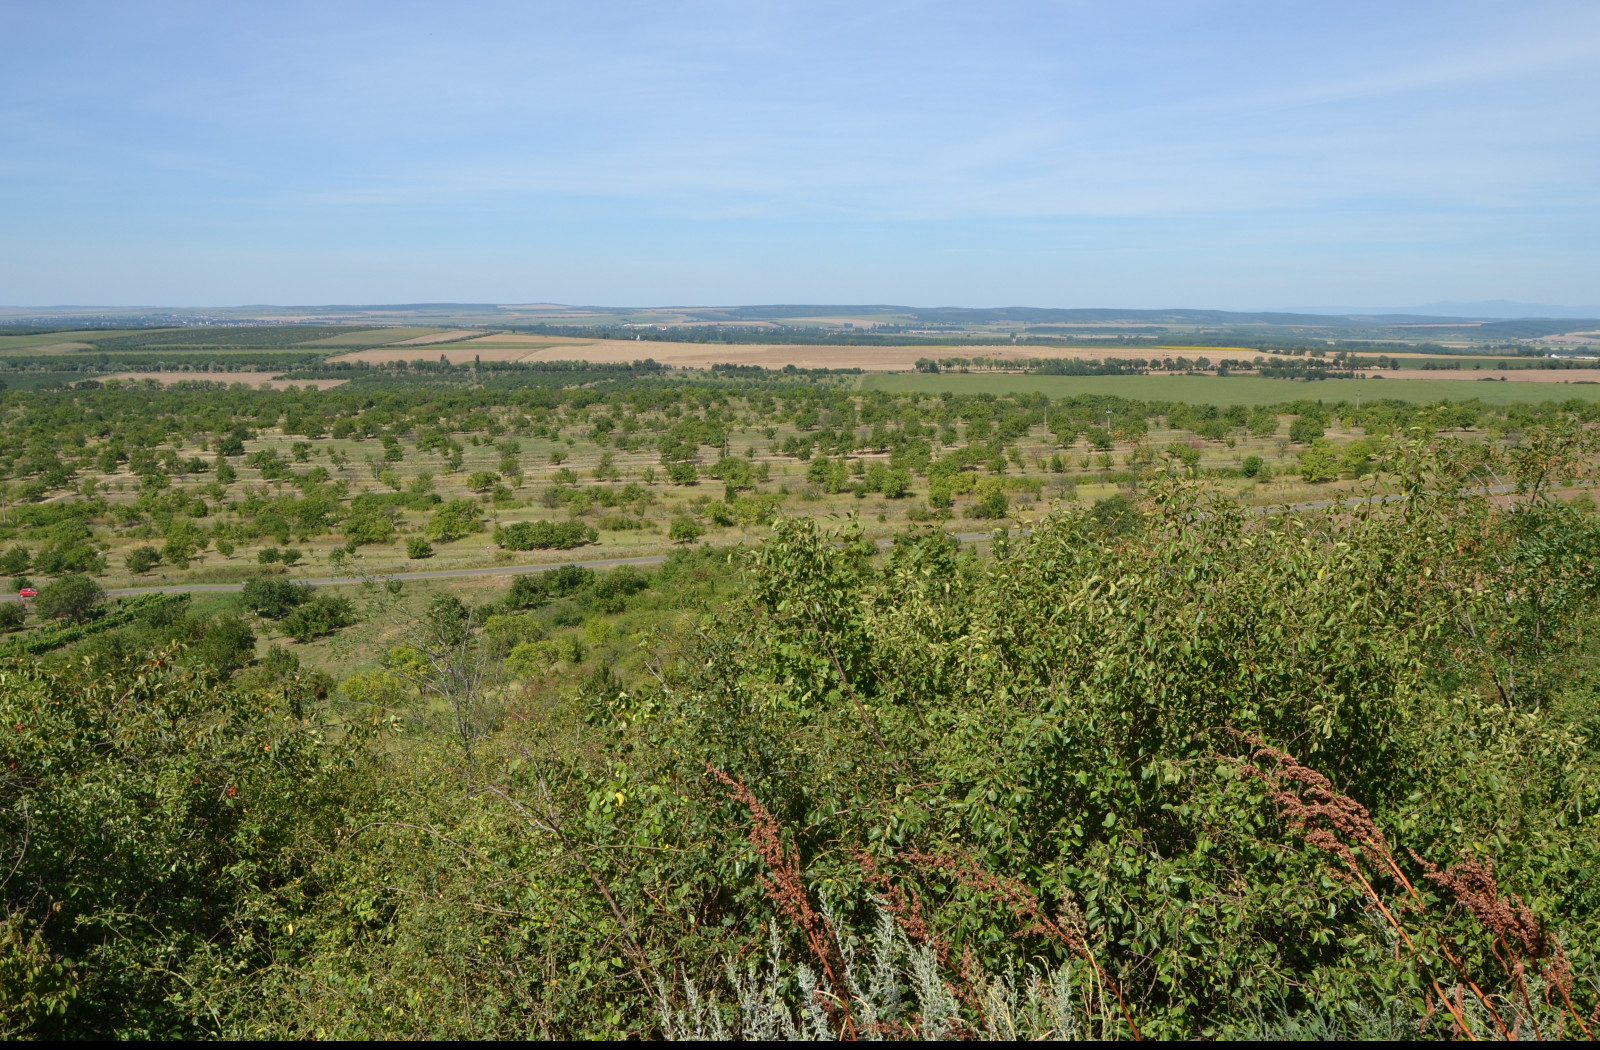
x,y
445,656
685,529
141,560
74,597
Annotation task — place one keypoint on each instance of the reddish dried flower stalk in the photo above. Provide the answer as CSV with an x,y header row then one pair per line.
x,y
786,887
1512,923
1326,819
1317,811
907,912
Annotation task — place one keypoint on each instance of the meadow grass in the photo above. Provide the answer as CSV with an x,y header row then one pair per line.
x,y
372,336
27,342
1234,390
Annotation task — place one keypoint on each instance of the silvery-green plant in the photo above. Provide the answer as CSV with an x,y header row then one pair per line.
x,y
903,990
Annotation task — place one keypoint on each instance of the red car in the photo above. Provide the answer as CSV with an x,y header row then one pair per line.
x,y
27,592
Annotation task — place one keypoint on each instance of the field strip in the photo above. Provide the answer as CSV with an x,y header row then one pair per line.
x,y
1246,390
656,559
254,380
452,336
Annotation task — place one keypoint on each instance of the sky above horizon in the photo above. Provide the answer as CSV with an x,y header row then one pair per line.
x,y
1223,155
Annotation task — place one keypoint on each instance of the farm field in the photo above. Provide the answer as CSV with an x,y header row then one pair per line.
x,y
877,359
369,336
269,380
51,339
1245,390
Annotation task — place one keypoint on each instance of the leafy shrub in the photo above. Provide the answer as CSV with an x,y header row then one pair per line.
x,y
1263,423
992,504
417,547
609,592
544,535
368,528
685,530
625,523
142,559
172,824
226,644
1181,452
455,520
377,689
274,598
12,616
534,589
1355,459
510,630
1115,515
1305,429
75,556
323,614
533,659
76,598
1319,463
15,561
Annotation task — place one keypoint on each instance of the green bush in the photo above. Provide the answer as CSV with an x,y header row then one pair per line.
x,y
610,591
12,616
992,504
455,520
417,547
75,598
275,598
1116,515
685,530
178,817
1263,423
322,614
534,589
1305,429
544,535
368,528
15,561
142,559
226,644
1319,463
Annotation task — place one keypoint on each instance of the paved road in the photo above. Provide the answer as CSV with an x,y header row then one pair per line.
x,y
608,563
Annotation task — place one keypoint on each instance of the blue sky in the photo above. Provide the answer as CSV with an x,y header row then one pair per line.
x,y
1232,155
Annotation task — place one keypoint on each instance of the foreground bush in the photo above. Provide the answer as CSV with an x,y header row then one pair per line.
x,y
154,824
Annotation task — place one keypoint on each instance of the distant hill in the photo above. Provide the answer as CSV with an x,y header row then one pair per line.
x,y
1497,309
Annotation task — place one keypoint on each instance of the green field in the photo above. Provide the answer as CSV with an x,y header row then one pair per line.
x,y
27,342
366,337
1236,390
